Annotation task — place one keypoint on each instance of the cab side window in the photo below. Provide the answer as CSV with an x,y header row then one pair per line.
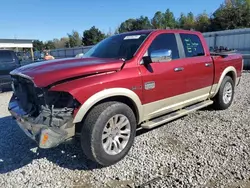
x,y
192,45
166,41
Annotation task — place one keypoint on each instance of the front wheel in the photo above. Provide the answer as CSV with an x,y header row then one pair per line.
x,y
225,95
108,133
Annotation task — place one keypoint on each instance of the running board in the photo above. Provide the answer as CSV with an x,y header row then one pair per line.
x,y
174,115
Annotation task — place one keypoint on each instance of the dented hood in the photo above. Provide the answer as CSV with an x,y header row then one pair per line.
x,y
48,72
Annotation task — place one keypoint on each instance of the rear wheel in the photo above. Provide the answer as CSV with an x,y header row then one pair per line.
x,y
225,95
108,133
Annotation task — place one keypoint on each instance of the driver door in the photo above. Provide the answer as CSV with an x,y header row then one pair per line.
x,y
164,83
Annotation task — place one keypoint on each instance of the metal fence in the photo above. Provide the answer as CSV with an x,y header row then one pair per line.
x,y
238,39
69,52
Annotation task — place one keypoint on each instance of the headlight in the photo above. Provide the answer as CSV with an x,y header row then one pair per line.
x,y
60,100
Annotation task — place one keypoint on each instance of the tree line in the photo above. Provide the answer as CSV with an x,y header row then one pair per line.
x,y
231,14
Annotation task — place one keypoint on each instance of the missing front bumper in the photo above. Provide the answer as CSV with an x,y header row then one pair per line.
x,y
45,135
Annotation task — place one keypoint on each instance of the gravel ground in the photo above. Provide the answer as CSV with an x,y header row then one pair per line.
x,y
204,149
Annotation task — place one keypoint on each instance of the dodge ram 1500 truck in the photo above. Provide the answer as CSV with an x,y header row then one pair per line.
x,y
129,81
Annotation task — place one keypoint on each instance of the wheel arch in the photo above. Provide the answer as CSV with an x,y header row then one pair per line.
x,y
114,94
229,71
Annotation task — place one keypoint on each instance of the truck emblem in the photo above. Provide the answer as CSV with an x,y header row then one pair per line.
x,y
134,88
149,85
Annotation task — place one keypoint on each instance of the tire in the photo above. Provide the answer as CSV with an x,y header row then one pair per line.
x,y
93,145
219,102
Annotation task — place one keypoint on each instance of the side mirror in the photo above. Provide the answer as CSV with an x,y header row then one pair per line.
x,y
155,56
161,55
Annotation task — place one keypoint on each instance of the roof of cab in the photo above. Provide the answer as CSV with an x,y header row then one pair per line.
x,y
160,30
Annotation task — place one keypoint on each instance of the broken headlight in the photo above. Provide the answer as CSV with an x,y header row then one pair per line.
x,y
61,100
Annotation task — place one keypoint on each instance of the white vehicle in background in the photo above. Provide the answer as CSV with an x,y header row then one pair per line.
x,y
79,55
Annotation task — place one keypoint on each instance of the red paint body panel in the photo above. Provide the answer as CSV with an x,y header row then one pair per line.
x,y
167,82
199,76
222,63
84,88
132,75
48,72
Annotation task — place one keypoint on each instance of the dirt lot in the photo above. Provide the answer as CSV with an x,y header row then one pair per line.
x,y
205,149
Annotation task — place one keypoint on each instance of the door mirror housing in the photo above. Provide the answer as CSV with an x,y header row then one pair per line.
x,y
155,56
161,55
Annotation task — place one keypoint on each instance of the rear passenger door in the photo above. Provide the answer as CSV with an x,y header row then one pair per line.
x,y
199,66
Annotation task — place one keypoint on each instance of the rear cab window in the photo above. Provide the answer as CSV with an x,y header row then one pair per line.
x,y
192,45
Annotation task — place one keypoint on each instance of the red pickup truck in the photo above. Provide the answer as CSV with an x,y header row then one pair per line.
x,y
126,82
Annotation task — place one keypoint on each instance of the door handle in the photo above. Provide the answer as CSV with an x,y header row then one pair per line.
x,y
208,64
178,69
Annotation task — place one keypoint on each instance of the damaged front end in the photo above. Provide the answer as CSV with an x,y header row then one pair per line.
x,y
45,116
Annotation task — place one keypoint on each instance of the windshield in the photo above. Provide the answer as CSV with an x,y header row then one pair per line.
x,y
118,46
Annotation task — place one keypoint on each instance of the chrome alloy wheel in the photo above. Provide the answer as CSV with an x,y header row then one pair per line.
x,y
116,134
227,93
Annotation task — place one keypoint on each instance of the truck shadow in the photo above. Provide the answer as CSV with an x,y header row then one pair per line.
x,y
17,150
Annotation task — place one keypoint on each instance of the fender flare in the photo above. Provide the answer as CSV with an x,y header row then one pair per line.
x,y
224,73
101,95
